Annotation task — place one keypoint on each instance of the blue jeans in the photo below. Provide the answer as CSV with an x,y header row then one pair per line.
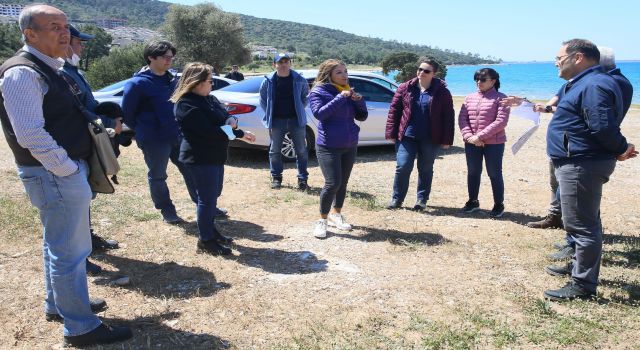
x,y
336,165
406,152
492,155
63,203
208,180
157,155
279,128
581,183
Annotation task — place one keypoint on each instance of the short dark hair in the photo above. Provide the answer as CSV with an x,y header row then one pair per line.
x,y
430,61
488,73
585,47
157,49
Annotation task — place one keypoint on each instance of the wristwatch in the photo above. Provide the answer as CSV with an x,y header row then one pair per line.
x,y
548,109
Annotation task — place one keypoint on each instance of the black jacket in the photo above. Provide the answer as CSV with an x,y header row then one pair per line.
x,y
200,119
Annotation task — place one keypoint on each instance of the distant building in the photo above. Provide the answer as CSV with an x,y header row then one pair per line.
x,y
10,10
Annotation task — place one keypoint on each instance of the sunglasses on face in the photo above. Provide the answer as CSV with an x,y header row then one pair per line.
x,y
482,80
425,70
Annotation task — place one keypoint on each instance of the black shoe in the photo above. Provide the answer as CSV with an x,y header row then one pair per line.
x,y
569,292
276,183
549,221
221,213
173,219
471,206
98,242
566,253
394,204
497,211
97,305
559,270
302,185
420,206
93,269
212,247
102,335
220,238
560,245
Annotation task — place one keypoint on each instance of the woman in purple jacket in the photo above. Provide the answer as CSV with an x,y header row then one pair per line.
x,y
421,121
335,105
482,121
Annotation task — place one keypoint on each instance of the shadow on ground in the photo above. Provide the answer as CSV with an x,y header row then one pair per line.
x,y
518,218
166,280
268,259
626,292
394,237
157,332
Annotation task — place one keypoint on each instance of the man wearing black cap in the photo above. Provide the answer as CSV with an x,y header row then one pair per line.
x,y
70,68
283,97
234,74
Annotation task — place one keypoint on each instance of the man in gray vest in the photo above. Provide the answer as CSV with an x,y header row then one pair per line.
x,y
49,139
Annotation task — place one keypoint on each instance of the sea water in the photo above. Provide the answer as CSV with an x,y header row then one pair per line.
x,y
535,81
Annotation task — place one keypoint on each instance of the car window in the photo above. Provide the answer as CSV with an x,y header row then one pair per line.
x,y
385,83
218,84
371,91
251,85
114,86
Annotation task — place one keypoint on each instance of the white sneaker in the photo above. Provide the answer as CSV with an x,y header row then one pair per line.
x,y
320,231
338,221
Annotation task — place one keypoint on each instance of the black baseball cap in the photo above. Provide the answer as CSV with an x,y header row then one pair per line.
x,y
76,34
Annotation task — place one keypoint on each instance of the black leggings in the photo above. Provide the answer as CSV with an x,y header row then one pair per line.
x,y
336,165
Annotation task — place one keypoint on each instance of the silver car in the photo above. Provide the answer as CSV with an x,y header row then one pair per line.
x,y
242,100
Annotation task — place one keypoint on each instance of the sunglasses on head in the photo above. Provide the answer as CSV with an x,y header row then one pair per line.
x,y
425,70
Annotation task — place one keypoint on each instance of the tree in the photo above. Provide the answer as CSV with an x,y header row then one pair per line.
x,y
207,34
9,40
121,64
407,65
97,47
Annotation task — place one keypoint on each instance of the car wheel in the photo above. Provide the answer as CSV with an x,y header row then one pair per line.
x,y
288,151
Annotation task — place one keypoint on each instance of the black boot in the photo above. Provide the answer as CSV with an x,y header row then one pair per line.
x,y
212,247
102,335
222,239
549,221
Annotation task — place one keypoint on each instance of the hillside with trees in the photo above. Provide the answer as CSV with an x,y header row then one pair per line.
x,y
314,43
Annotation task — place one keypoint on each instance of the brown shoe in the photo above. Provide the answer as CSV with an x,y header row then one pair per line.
x,y
550,221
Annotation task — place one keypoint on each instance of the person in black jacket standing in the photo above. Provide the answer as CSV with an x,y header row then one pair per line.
x,y
234,74
202,121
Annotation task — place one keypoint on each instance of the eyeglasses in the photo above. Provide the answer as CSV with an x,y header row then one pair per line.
x,y
168,57
559,58
425,70
209,81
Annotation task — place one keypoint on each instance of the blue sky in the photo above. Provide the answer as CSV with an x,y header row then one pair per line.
x,y
512,30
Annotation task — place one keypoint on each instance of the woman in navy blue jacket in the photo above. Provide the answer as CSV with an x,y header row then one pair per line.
x,y
203,149
335,105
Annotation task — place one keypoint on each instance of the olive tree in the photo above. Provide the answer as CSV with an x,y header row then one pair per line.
x,y
121,64
406,63
97,47
207,34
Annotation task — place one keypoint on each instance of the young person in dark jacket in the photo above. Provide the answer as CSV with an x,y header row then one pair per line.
x,y
420,122
148,111
203,149
336,105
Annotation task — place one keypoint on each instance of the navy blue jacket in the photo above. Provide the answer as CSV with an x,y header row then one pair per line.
x,y
625,87
147,108
587,121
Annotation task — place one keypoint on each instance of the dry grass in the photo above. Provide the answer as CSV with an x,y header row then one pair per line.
x,y
400,279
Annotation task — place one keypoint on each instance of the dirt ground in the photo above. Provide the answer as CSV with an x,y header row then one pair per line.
x,y
399,280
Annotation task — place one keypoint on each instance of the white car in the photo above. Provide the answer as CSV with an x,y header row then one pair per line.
x,y
114,92
242,100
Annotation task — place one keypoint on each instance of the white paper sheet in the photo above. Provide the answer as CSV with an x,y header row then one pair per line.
x,y
525,111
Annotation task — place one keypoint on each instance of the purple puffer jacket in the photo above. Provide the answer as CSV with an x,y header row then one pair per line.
x,y
336,114
482,115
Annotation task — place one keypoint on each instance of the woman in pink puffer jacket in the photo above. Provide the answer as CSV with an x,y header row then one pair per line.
x,y
482,121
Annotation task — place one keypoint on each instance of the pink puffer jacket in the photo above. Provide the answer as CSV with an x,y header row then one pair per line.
x,y
482,115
